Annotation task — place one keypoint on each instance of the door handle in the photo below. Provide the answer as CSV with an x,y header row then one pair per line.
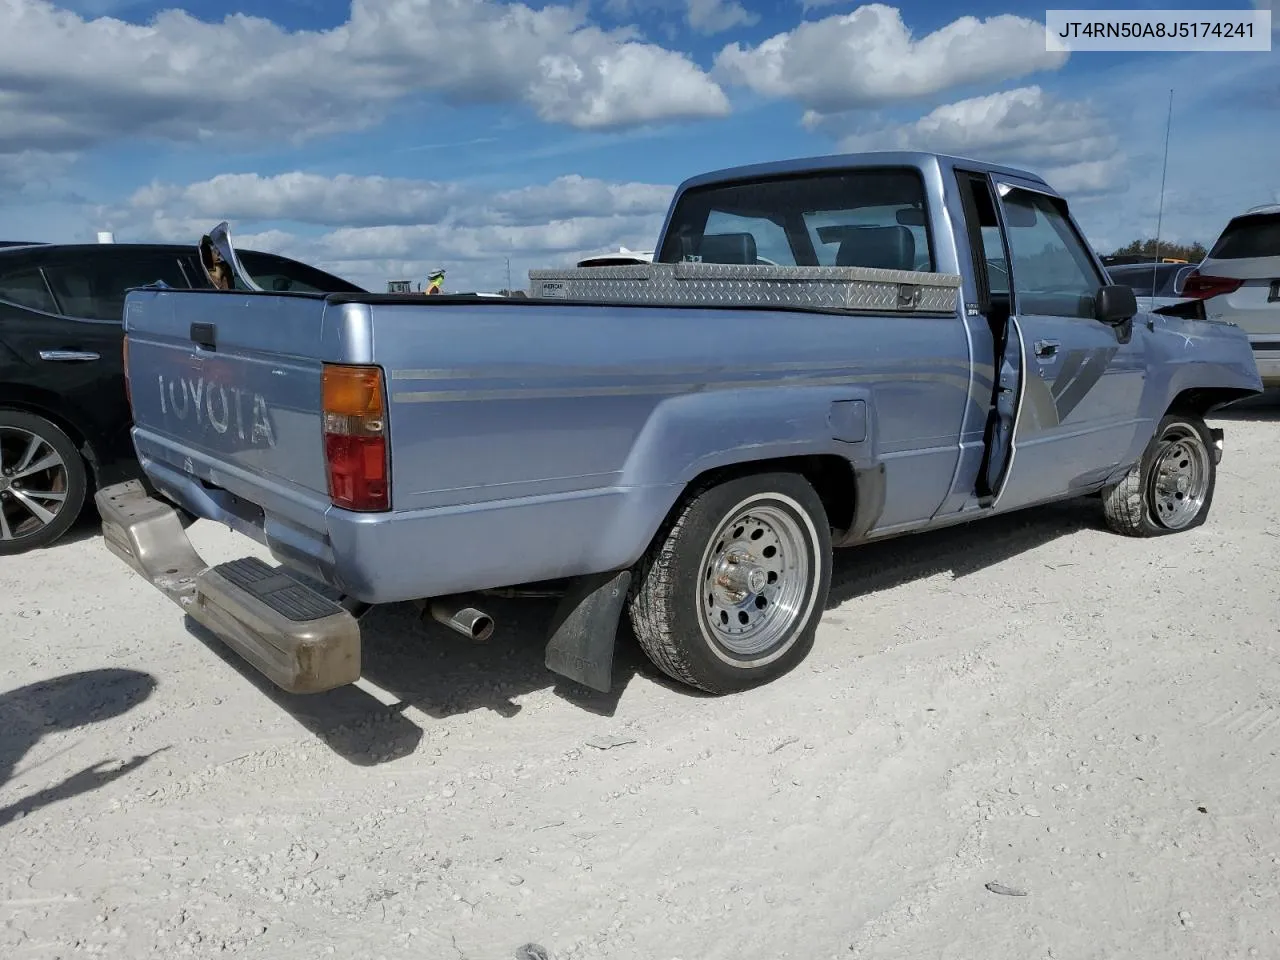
x,y
69,356
204,335
1046,349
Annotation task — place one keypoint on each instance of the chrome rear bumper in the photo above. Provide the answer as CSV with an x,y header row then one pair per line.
x,y
301,640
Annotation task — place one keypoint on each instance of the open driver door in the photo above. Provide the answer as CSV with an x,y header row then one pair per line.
x,y
991,274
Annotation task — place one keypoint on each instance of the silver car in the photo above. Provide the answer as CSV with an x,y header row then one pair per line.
x,y
1239,281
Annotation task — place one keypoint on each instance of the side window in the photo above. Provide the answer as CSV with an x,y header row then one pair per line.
x,y
732,238
1052,272
27,288
94,287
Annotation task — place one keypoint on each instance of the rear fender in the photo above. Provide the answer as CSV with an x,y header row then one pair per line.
x,y
685,438
689,435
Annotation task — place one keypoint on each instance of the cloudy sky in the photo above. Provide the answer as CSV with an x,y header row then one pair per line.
x,y
383,138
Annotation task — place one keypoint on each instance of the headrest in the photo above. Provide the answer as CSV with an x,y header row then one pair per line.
x,y
739,248
881,248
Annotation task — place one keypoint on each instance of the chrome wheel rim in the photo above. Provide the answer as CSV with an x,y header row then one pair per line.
x,y
1179,479
33,483
754,582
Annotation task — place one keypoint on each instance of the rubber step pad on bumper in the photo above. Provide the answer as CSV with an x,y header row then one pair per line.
x,y
302,641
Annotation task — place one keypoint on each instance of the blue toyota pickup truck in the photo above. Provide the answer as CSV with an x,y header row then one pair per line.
x,y
823,353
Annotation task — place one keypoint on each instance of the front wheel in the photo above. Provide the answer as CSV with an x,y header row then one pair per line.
x,y
731,595
1171,488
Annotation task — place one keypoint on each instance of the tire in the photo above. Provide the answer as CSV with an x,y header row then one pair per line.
x,y
22,528
782,578
1178,459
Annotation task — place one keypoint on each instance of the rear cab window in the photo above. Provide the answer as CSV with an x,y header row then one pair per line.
x,y
1248,237
874,218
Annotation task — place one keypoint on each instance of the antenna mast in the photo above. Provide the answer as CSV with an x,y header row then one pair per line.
x,y
508,276
1164,172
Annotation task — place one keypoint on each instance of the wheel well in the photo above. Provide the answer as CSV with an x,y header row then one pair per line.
x,y
65,425
1200,401
832,478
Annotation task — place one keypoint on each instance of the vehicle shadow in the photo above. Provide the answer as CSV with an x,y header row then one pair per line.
x,y
961,550
1261,409
30,713
424,665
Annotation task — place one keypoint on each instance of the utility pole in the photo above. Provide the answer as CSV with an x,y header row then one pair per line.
x,y
1164,172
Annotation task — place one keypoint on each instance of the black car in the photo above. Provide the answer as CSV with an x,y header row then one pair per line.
x,y
1162,280
64,413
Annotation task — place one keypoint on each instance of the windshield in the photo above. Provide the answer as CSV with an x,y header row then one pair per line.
x,y
854,218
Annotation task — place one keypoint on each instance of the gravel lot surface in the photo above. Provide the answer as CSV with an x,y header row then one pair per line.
x,y
1031,703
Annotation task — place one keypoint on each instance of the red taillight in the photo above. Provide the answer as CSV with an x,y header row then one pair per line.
x,y
355,437
1200,287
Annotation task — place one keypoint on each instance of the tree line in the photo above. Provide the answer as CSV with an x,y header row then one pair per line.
x,y
1192,252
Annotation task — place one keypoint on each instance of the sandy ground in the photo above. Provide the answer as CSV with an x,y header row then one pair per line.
x,y
1032,702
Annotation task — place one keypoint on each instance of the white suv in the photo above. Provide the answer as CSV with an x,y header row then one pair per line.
x,y
1239,281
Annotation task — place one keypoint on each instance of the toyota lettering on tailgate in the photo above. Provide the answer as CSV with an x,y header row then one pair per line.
x,y
222,408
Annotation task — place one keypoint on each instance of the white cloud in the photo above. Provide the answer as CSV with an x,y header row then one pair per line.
x,y
1065,141
359,202
382,226
490,242
71,83
716,16
304,198
869,58
29,171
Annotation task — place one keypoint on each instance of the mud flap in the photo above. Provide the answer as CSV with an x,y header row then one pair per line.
x,y
1216,435
584,629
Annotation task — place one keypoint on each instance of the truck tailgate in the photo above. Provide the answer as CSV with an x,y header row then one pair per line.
x,y
229,380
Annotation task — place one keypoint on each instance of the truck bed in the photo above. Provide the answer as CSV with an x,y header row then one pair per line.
x,y
509,418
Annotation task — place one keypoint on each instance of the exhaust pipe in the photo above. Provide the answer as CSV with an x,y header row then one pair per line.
x,y
458,614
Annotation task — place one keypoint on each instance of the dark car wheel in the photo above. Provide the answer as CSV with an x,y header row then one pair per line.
x,y
43,482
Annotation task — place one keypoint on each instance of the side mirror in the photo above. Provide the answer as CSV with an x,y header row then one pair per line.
x,y
1115,303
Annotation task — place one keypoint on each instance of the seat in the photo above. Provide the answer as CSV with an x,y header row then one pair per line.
x,y
880,248
735,248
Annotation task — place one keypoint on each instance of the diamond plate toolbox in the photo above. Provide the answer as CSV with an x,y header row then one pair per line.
x,y
731,285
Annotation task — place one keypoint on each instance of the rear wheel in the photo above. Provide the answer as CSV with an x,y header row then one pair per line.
x,y
43,482
731,595
1171,488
